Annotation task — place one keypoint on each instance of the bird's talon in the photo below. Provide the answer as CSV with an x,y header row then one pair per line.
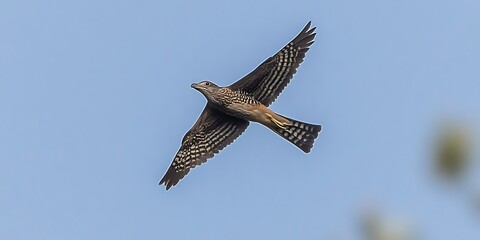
x,y
278,123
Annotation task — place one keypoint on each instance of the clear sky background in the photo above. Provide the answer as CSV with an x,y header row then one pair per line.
x,y
95,98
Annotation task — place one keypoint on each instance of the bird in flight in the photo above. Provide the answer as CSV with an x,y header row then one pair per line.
x,y
229,110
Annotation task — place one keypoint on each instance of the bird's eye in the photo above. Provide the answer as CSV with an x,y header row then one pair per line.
x,y
207,84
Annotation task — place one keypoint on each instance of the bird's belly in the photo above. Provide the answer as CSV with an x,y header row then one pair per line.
x,y
250,112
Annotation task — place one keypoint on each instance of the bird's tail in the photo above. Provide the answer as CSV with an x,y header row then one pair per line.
x,y
299,133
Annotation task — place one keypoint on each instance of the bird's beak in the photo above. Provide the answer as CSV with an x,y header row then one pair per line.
x,y
194,85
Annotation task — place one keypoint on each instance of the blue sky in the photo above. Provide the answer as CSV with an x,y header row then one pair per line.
x,y
95,98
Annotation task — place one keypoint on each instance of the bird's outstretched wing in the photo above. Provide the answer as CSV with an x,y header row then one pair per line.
x,y
268,80
212,132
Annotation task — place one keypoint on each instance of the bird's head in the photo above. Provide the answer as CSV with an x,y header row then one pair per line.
x,y
205,87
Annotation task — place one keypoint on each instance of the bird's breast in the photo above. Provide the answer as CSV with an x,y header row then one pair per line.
x,y
238,104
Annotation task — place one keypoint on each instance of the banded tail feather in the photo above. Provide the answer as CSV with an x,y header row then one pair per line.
x,y
301,134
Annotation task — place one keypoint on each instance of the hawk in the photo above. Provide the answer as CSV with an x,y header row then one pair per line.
x,y
229,110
